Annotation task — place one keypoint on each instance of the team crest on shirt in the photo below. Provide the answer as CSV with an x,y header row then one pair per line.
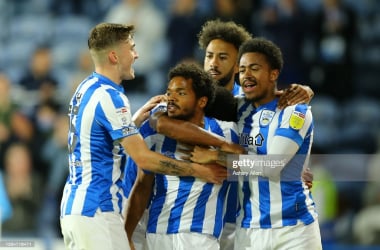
x,y
297,119
266,117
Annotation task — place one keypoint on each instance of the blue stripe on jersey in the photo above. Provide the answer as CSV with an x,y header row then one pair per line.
x,y
158,204
232,203
168,148
245,189
247,206
244,108
200,208
129,176
183,193
219,212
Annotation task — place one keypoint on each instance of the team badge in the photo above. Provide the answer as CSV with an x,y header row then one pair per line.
x,y
123,116
297,119
266,117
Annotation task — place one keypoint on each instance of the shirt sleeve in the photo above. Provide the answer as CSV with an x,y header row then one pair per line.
x,y
114,114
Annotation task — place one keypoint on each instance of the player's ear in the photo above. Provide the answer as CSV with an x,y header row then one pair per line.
x,y
202,102
274,74
112,56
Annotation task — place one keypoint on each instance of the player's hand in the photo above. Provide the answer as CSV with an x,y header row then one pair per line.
x,y
232,148
211,173
296,93
143,113
308,177
203,155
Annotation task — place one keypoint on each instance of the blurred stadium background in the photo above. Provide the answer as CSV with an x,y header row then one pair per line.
x,y
331,45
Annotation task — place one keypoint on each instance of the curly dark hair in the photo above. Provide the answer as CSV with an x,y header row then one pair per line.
x,y
203,83
263,46
224,106
227,31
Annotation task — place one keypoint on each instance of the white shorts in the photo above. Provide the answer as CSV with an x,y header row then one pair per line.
x,y
103,231
227,239
182,241
298,237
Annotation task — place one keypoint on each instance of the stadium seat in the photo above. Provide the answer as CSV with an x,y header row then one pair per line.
x,y
326,115
34,28
71,28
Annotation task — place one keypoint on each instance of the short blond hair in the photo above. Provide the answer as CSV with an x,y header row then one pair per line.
x,y
106,35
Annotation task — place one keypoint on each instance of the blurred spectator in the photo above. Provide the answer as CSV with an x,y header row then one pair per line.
x,y
286,23
24,189
94,9
15,125
366,225
84,68
54,152
43,119
335,31
238,11
7,109
38,82
185,21
149,37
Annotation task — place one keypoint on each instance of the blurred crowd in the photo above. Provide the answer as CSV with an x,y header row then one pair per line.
x,y
331,45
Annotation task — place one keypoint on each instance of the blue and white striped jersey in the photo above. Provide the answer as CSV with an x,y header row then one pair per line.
x,y
185,204
272,203
99,116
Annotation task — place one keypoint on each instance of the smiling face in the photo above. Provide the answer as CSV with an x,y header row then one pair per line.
x,y
220,62
182,101
257,78
126,55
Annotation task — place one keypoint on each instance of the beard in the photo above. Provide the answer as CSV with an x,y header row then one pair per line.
x,y
223,82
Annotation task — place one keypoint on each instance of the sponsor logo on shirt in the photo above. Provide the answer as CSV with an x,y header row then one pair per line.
x,y
297,119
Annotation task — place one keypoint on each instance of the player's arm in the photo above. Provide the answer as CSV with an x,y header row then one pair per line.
x,y
296,93
138,201
190,133
284,147
158,163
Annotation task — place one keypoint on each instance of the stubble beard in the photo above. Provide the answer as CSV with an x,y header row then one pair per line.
x,y
224,81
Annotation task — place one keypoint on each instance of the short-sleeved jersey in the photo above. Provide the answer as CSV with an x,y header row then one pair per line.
x,y
99,115
185,204
271,203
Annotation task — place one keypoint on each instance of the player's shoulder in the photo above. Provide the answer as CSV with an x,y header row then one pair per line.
x,y
299,107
